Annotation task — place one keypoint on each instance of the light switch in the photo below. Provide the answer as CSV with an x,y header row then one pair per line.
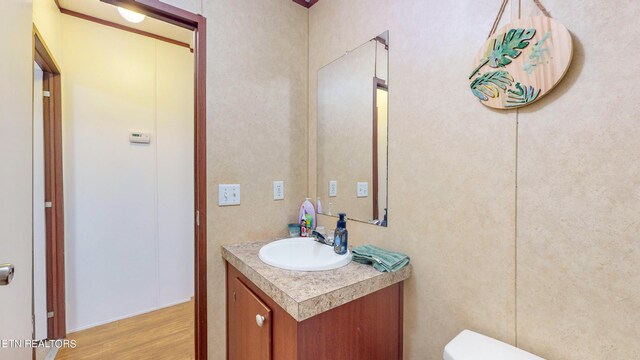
x,y
363,189
278,190
333,188
228,194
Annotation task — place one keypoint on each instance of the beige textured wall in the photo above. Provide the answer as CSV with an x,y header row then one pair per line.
x,y
345,131
256,128
458,222
573,292
579,194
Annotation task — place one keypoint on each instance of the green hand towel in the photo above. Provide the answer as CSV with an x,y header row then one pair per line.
x,y
381,259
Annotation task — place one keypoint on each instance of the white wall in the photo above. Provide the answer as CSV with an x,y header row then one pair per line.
x,y
174,133
48,21
129,207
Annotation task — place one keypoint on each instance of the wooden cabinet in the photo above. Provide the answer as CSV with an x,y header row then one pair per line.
x,y
368,328
249,324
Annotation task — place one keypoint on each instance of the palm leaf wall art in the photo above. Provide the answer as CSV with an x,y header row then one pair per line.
x,y
521,96
521,63
487,85
537,54
506,47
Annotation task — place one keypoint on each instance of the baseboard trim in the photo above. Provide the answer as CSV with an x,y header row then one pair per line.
x,y
51,355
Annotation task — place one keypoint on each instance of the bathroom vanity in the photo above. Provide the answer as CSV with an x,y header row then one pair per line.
x,y
353,312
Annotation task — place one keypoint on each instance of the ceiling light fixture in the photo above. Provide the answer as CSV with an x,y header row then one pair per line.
x,y
131,16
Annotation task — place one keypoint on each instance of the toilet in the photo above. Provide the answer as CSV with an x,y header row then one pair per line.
x,y
469,345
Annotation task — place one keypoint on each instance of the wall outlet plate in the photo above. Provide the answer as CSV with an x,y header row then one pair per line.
x,y
228,194
278,190
333,188
362,189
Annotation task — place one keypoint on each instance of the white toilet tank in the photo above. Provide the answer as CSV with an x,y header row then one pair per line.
x,y
469,345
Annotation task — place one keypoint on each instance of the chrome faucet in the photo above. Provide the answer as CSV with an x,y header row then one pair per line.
x,y
320,238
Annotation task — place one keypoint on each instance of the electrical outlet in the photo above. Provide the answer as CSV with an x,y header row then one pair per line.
x,y
333,188
363,189
278,190
228,194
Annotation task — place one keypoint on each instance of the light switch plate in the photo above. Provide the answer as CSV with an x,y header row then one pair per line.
x,y
278,190
363,189
333,188
228,194
139,137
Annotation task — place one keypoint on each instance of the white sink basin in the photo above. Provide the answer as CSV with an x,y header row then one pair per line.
x,y
302,254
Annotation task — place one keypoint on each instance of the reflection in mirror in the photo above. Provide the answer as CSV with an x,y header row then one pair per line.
x,y
353,133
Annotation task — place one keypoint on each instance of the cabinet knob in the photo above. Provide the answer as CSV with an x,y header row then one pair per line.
x,y
259,320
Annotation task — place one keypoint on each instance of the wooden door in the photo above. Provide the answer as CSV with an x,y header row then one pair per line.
x,y
248,340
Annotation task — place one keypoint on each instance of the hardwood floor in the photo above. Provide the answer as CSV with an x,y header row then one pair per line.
x,y
162,334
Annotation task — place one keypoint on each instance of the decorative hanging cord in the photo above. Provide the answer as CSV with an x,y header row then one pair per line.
x,y
498,17
544,10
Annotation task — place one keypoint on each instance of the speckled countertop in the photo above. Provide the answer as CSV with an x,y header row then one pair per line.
x,y
306,294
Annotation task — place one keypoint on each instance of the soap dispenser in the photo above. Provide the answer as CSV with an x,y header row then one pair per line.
x,y
384,220
341,237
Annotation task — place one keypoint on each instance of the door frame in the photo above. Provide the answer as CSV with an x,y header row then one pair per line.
x,y
377,84
54,197
198,23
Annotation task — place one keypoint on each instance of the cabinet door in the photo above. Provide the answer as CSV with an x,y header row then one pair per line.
x,y
250,336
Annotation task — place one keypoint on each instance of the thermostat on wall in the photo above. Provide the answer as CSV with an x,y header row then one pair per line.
x,y
139,137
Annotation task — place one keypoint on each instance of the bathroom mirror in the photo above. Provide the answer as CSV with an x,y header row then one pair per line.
x,y
352,133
